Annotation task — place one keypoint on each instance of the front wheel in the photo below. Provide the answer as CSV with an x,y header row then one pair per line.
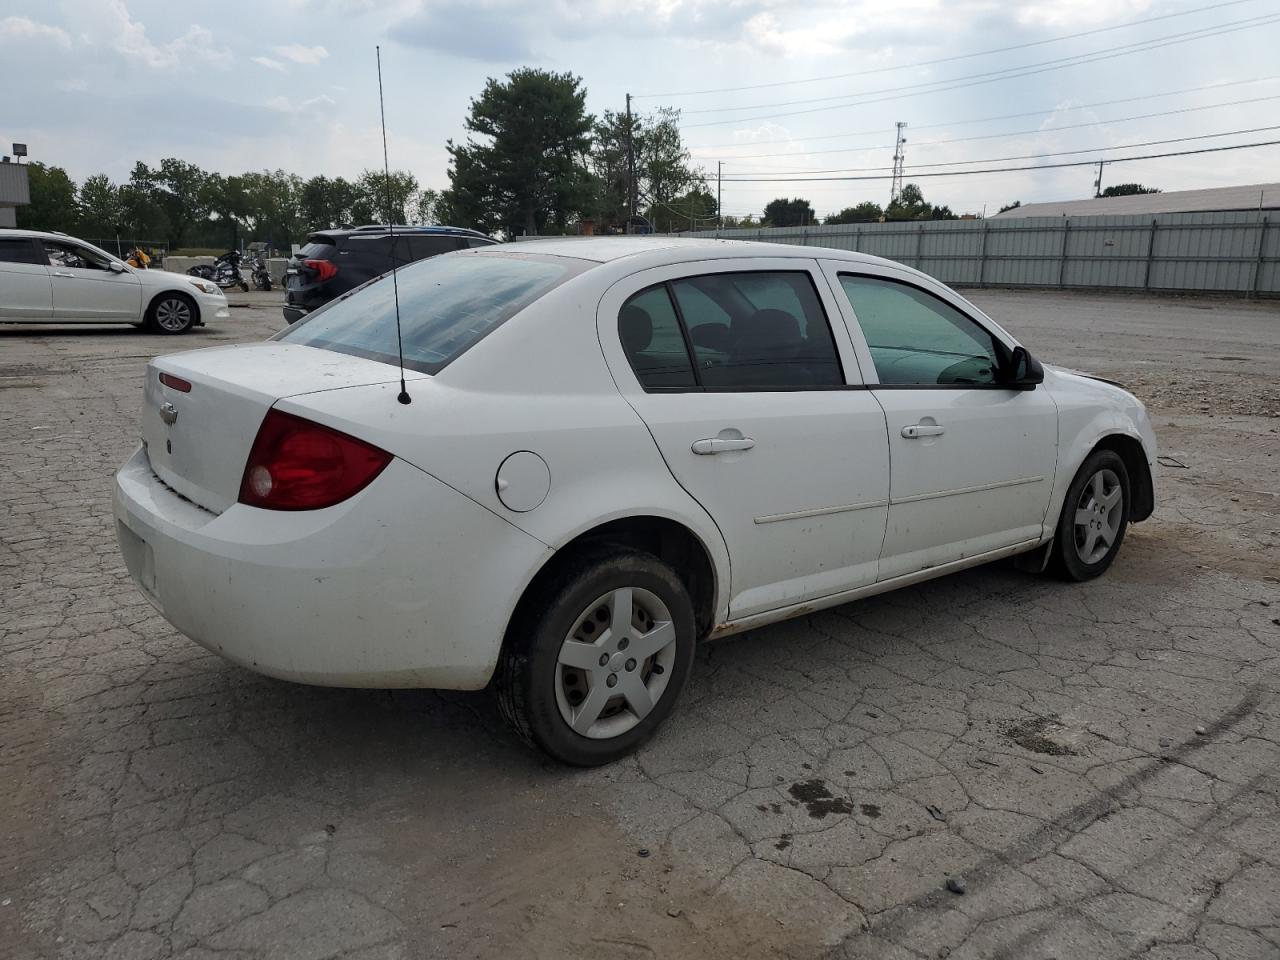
x,y
171,313
244,287
595,660
1094,517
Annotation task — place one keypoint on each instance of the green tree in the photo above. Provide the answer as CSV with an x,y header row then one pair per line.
x,y
529,171
1128,190
1010,206
101,214
374,191
53,199
695,210
141,217
273,207
425,208
179,189
910,204
664,168
227,198
862,213
789,213
327,203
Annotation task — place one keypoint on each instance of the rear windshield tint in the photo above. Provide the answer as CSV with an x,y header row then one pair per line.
x,y
447,304
315,249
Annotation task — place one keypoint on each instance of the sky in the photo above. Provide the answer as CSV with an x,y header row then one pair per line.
x,y
768,88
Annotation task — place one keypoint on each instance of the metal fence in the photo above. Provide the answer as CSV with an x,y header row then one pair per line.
x,y
1189,252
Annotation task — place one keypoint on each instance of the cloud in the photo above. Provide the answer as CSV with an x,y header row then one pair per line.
x,y
25,29
493,31
108,22
300,54
268,63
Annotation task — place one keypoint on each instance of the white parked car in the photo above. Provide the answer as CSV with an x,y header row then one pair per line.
x,y
614,448
53,278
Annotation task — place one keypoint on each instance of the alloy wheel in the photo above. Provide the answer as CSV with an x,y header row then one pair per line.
x,y
615,663
173,314
1099,514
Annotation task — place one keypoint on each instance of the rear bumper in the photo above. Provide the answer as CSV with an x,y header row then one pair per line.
x,y
294,314
407,584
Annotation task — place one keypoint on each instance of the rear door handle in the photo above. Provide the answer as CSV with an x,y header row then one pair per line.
x,y
713,445
917,430
63,273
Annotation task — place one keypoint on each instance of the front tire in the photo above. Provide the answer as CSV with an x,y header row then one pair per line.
x,y
171,313
595,658
1095,515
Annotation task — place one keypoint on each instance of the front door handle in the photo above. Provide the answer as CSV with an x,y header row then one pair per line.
x,y
63,273
917,430
719,445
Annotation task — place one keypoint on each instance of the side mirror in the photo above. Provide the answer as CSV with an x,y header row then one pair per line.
x,y
1024,371
115,267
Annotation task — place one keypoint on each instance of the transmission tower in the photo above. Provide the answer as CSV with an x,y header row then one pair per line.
x,y
899,161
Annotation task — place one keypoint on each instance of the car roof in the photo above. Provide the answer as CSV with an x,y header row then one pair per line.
x,y
656,250
372,229
37,234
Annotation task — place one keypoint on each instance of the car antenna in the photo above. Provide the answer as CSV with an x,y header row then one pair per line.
x,y
395,287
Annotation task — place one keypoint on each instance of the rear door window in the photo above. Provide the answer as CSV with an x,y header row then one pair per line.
x,y
447,304
20,250
762,330
758,330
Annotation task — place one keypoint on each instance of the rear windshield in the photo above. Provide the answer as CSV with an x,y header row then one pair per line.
x,y
447,304
316,248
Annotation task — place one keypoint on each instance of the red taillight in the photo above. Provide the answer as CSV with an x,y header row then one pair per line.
x,y
324,268
169,380
299,465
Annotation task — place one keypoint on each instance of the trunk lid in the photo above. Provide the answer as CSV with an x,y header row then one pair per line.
x,y
198,440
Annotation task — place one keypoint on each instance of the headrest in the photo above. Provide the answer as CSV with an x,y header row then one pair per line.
x,y
765,329
636,328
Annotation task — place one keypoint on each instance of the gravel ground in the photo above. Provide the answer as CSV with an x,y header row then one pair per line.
x,y
1096,767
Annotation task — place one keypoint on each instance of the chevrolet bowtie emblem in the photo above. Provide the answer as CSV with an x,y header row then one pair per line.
x,y
168,413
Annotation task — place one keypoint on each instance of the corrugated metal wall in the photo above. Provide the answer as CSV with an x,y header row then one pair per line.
x,y
1204,252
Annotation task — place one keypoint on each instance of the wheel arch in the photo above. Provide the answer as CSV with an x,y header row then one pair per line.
x,y
1141,483
668,539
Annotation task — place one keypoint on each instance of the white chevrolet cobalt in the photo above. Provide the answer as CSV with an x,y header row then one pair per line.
x,y
612,448
53,278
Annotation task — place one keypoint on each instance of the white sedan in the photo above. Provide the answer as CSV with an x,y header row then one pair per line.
x,y
53,278
613,448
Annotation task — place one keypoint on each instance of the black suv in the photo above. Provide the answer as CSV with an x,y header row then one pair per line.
x,y
335,261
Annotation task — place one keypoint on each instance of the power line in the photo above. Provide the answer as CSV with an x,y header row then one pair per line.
x,y
952,59
1030,156
1006,116
942,86
1017,133
1135,47
1041,166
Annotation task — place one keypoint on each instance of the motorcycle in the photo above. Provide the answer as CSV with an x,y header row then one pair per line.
x,y
225,271
260,273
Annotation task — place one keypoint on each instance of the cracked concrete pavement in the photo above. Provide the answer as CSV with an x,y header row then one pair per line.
x,y
1096,767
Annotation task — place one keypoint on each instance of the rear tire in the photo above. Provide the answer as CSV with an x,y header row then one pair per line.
x,y
595,658
1095,515
171,313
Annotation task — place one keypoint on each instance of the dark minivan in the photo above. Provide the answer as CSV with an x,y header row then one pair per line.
x,y
336,261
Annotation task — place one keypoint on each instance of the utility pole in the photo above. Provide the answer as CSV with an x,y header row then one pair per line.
x,y
899,162
1097,184
720,209
631,171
